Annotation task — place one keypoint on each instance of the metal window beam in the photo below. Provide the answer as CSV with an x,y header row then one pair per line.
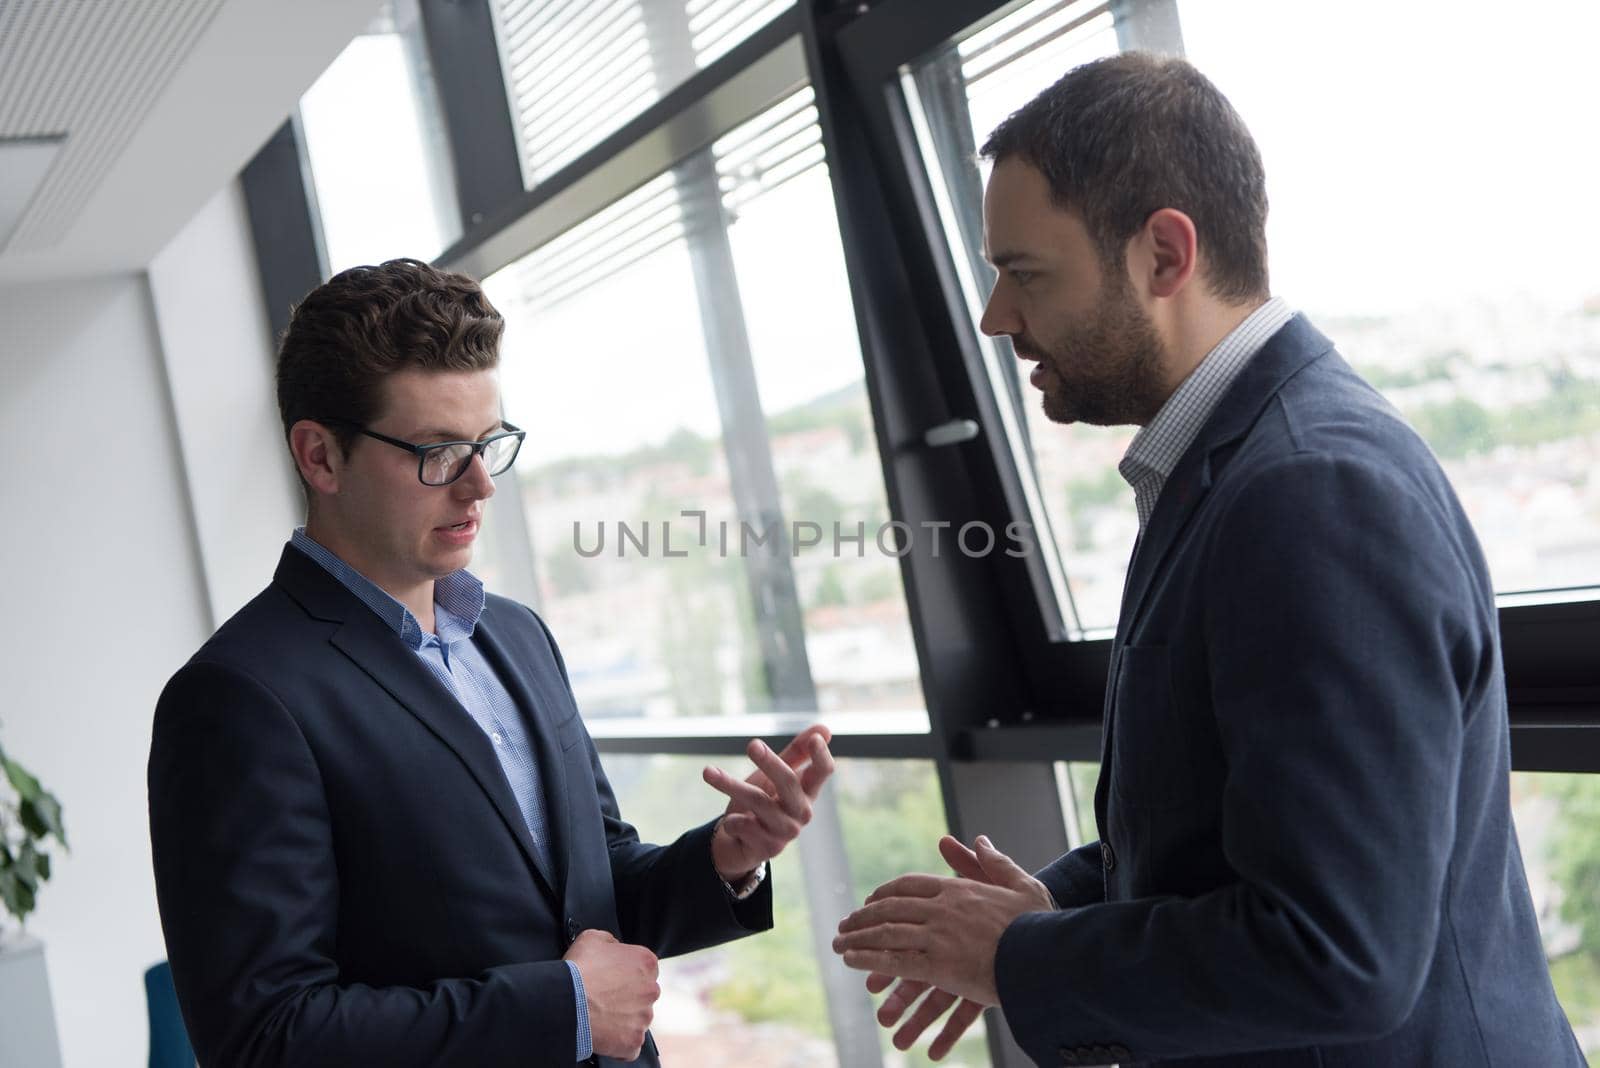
x,y
753,75
285,223
465,57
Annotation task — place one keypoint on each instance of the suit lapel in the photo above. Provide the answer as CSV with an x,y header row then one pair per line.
x,y
532,694
377,651
1184,489
1285,353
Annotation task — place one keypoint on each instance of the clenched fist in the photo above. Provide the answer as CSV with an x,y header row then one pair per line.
x,y
620,983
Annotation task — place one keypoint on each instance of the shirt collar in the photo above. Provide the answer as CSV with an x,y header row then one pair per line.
x,y
458,598
1159,445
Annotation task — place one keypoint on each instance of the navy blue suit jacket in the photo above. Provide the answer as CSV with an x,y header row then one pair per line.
x,y
1306,855
343,873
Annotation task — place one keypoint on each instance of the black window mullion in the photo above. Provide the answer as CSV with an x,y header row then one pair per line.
x,y
465,57
284,223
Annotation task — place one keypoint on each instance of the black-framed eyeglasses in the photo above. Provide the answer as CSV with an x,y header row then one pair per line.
x,y
441,463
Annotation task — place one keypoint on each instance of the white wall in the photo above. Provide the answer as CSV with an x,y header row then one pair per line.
x,y
104,600
121,551
218,348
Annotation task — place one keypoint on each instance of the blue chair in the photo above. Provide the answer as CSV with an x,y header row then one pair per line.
x,y
169,1042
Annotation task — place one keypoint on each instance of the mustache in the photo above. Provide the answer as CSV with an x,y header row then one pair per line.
x,y
1027,348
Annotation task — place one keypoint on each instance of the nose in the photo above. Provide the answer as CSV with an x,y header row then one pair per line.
x,y
998,317
476,484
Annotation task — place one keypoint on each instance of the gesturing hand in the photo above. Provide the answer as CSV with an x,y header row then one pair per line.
x,y
941,935
619,981
969,865
767,810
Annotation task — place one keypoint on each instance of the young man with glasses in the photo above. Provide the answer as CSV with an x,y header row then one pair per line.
x,y
380,830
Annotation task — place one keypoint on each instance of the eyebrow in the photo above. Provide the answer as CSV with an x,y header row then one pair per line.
x,y
451,435
1008,258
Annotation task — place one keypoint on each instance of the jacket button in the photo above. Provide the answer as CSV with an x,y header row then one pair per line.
x,y
573,930
1108,856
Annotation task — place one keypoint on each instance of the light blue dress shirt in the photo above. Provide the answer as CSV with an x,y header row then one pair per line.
x,y
460,667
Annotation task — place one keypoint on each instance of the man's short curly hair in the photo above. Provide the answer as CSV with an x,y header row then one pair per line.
x,y
366,323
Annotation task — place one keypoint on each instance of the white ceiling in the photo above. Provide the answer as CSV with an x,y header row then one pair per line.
x,y
161,103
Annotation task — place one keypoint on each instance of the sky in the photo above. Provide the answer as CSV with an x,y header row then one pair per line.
x,y
1417,153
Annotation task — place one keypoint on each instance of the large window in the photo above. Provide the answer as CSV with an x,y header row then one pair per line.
x,y
701,479
1558,824
1420,217
375,145
760,1000
703,511
1082,508
577,71
1416,217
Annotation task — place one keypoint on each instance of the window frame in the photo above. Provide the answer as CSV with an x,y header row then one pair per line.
x,y
1007,694
1552,669
1001,681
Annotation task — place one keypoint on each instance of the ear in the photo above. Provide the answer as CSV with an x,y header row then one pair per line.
x,y
317,454
1166,251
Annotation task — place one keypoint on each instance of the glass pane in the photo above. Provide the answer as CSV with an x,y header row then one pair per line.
x,y
378,156
1076,781
699,458
1428,228
760,1000
893,817
1076,494
710,1010
576,72
1426,233
1558,824
809,371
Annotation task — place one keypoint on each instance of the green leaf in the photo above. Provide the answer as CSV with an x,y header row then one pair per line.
x,y
32,821
27,786
22,870
17,898
41,815
26,866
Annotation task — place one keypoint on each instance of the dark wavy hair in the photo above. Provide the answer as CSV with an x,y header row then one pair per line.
x,y
1123,137
365,324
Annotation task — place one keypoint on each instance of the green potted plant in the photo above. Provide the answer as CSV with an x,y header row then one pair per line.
x,y
29,816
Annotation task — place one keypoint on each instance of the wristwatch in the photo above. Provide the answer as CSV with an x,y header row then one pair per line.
x,y
748,885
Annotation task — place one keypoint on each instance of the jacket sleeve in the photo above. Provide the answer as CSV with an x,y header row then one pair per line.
x,y
1343,635
1075,878
248,888
669,898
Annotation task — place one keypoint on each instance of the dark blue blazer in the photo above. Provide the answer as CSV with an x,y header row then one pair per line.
x,y
1306,854
343,873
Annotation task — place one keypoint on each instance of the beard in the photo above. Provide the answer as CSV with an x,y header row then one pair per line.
x,y
1106,369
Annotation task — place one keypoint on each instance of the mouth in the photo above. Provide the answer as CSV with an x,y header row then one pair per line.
x,y
1040,377
466,526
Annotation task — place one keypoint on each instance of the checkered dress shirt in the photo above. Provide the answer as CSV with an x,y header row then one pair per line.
x,y
1158,447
